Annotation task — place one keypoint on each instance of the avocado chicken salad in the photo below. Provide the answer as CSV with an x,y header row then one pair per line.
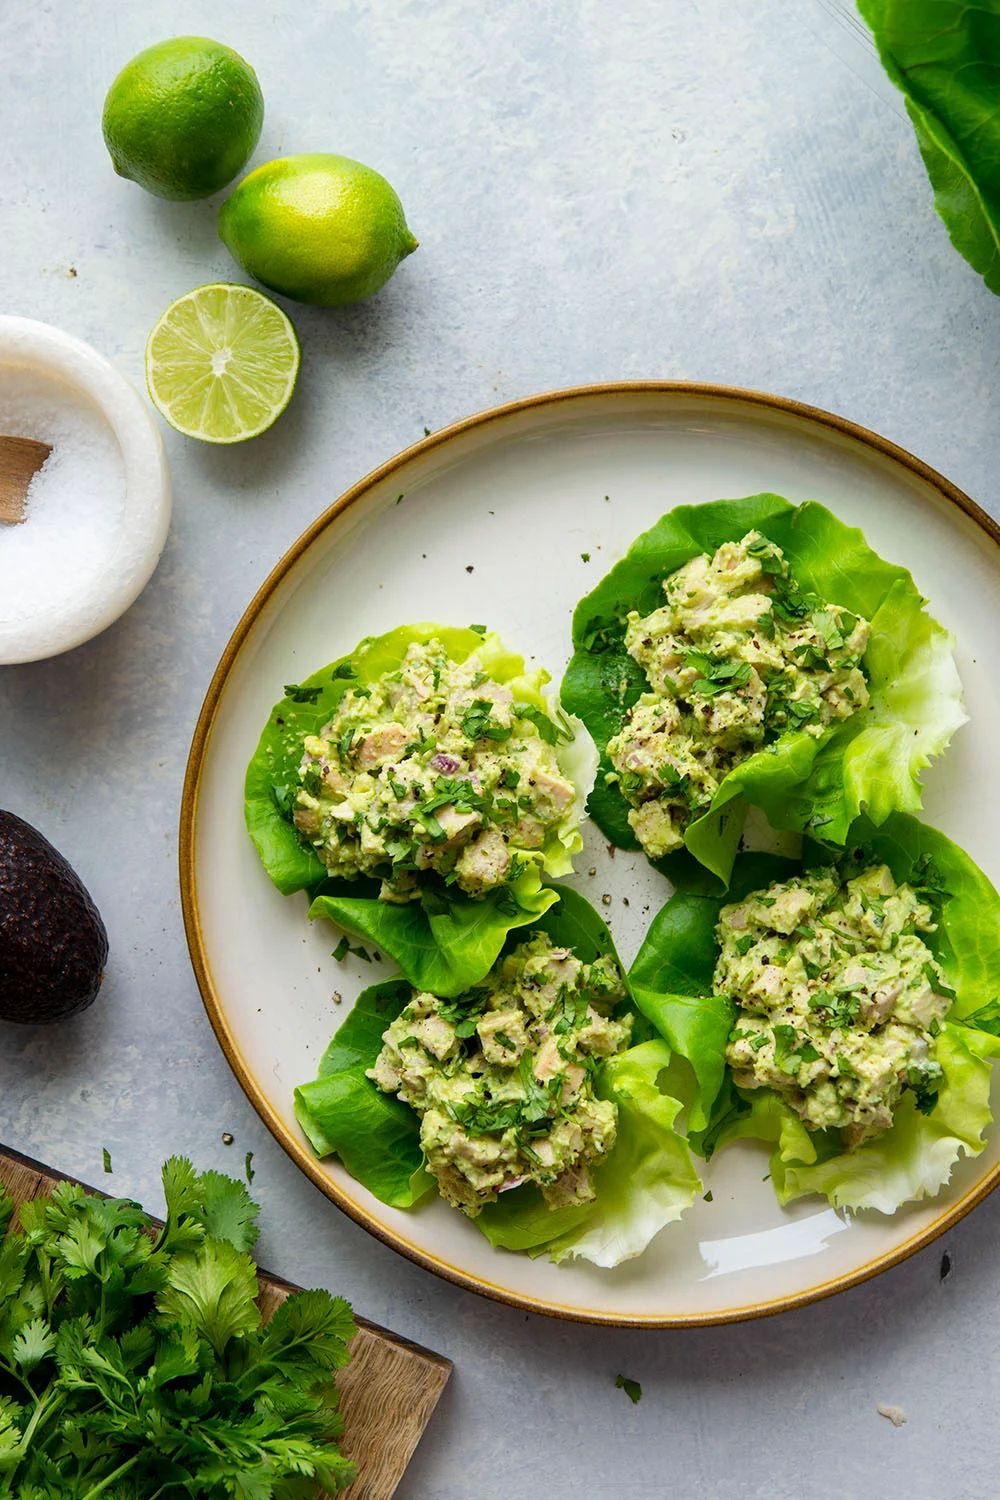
x,y
737,656
431,767
503,1078
839,999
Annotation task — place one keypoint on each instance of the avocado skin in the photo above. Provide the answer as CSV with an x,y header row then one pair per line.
x,y
53,946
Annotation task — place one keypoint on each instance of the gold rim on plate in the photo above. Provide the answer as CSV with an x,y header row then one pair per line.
x,y
189,809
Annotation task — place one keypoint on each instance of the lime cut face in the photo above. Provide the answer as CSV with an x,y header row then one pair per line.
x,y
221,363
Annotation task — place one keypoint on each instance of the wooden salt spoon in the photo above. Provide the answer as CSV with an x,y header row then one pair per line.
x,y
20,460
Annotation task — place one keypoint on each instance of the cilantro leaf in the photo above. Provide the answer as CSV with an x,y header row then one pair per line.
x,y
478,722
550,732
227,1210
309,1334
212,1290
299,694
632,1388
32,1344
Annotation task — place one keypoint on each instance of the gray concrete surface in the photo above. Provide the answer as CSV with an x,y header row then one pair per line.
x,y
703,189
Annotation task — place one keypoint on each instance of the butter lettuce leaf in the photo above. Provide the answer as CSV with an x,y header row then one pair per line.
x,y
870,763
915,1157
342,1112
944,56
671,978
445,941
646,1182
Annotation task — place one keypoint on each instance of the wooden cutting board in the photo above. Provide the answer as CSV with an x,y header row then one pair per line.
x,y
387,1393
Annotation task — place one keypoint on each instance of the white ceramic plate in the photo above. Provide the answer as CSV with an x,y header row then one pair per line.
x,y
495,515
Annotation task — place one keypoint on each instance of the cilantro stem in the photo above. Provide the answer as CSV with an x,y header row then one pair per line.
x,y
46,1405
116,1474
16,1375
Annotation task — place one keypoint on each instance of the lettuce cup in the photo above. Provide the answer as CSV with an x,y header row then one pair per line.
x,y
535,1102
751,652
420,789
841,1010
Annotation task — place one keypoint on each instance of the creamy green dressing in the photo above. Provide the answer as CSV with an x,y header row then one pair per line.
x,y
503,1077
737,656
431,767
838,996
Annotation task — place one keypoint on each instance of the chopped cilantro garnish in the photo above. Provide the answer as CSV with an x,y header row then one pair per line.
x,y
312,781
716,675
987,1018
431,826
550,732
786,1055
299,694
284,798
478,722
632,1388
937,984
344,947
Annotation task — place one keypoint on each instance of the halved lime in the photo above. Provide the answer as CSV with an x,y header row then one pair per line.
x,y
222,362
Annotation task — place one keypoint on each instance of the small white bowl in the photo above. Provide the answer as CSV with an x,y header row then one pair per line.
x,y
57,626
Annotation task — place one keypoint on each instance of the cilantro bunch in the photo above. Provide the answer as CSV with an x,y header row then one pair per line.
x,y
133,1360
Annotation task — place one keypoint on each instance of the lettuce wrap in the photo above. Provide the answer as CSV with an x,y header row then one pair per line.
x,y
870,762
647,1180
672,980
444,941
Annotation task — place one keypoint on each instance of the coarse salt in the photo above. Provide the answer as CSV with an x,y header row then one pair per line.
x,y
60,555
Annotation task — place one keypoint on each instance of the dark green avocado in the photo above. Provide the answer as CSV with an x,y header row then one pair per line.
x,y
53,946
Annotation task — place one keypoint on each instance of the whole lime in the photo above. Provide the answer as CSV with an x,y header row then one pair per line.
x,y
318,228
182,118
